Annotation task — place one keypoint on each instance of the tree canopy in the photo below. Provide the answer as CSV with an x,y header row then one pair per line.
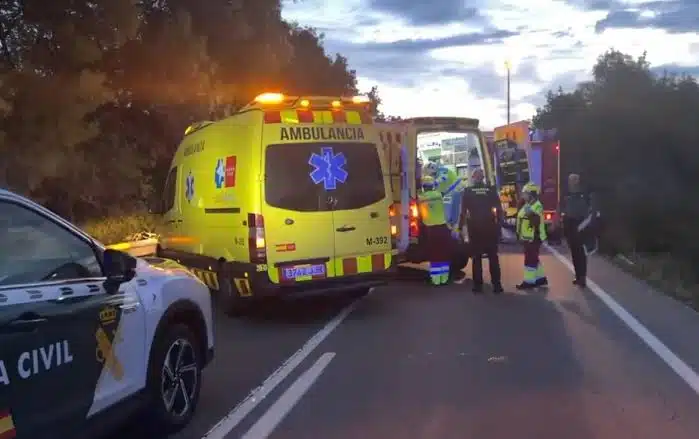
x,y
95,95
634,137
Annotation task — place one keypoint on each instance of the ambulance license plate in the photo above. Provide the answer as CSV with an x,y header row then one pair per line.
x,y
303,272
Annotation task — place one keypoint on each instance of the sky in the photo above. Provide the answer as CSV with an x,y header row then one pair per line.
x,y
447,57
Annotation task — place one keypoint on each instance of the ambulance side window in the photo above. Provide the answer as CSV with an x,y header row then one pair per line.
x,y
170,191
36,249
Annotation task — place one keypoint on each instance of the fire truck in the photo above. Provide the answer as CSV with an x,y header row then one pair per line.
x,y
521,154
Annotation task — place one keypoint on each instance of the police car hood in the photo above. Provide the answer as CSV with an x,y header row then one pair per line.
x,y
155,267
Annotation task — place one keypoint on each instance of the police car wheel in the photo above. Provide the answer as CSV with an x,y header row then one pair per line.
x,y
231,304
174,379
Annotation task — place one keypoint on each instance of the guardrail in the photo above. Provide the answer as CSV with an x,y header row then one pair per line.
x,y
143,247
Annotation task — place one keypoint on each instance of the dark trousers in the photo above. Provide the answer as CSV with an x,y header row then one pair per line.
x,y
576,243
531,254
461,253
489,247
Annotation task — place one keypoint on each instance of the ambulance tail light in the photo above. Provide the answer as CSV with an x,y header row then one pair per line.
x,y
392,215
257,244
413,218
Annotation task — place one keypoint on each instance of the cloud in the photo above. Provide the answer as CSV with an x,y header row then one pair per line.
x,y
674,16
595,5
425,13
406,62
448,54
407,46
677,69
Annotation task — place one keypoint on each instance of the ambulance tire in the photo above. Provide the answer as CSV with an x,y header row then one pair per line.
x,y
159,418
231,304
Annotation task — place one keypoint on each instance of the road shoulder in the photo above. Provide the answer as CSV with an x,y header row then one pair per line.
x,y
673,323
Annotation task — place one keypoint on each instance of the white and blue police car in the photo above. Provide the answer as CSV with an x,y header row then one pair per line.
x,y
91,336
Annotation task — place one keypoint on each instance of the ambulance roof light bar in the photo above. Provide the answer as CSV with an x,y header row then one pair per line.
x,y
271,99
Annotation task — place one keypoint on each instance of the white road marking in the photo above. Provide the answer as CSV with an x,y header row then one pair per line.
x,y
235,416
266,425
681,368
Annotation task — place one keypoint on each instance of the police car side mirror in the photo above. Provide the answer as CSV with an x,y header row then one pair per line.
x,y
119,267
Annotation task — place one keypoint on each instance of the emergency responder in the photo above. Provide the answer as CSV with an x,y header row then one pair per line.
x,y
437,234
481,211
576,210
531,231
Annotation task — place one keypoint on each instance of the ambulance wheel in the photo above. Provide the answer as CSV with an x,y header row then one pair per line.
x,y
230,302
174,378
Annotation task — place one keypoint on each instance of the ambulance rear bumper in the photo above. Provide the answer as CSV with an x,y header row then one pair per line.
x,y
263,288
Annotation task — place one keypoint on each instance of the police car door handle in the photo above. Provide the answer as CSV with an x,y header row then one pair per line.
x,y
25,325
346,229
129,308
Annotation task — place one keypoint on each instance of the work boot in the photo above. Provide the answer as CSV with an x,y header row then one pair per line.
x,y
458,277
542,282
525,286
581,282
497,289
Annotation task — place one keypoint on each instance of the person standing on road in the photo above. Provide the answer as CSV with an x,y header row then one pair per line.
x,y
531,231
437,234
576,210
481,212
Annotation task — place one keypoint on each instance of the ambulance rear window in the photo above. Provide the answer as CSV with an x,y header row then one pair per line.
x,y
310,177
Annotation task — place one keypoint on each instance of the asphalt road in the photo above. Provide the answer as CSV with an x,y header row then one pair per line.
x,y
412,361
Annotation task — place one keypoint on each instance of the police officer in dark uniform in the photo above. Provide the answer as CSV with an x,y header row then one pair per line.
x,y
577,210
481,211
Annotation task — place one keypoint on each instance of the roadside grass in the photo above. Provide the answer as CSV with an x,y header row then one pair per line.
x,y
665,273
113,230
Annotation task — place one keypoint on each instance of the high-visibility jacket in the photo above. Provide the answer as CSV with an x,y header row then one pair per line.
x,y
530,222
447,180
431,204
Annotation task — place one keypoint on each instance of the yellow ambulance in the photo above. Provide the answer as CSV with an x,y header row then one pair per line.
x,y
285,198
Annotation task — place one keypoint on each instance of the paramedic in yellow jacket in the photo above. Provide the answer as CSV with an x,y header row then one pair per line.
x,y
436,232
531,231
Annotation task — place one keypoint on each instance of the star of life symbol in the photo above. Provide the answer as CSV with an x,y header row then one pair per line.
x,y
220,173
328,168
189,189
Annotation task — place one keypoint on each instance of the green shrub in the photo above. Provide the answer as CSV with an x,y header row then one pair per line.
x,y
123,228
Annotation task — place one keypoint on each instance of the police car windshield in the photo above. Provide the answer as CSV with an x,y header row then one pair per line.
x,y
302,176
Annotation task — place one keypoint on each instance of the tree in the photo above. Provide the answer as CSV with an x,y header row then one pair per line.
x,y
376,103
52,80
634,137
95,95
